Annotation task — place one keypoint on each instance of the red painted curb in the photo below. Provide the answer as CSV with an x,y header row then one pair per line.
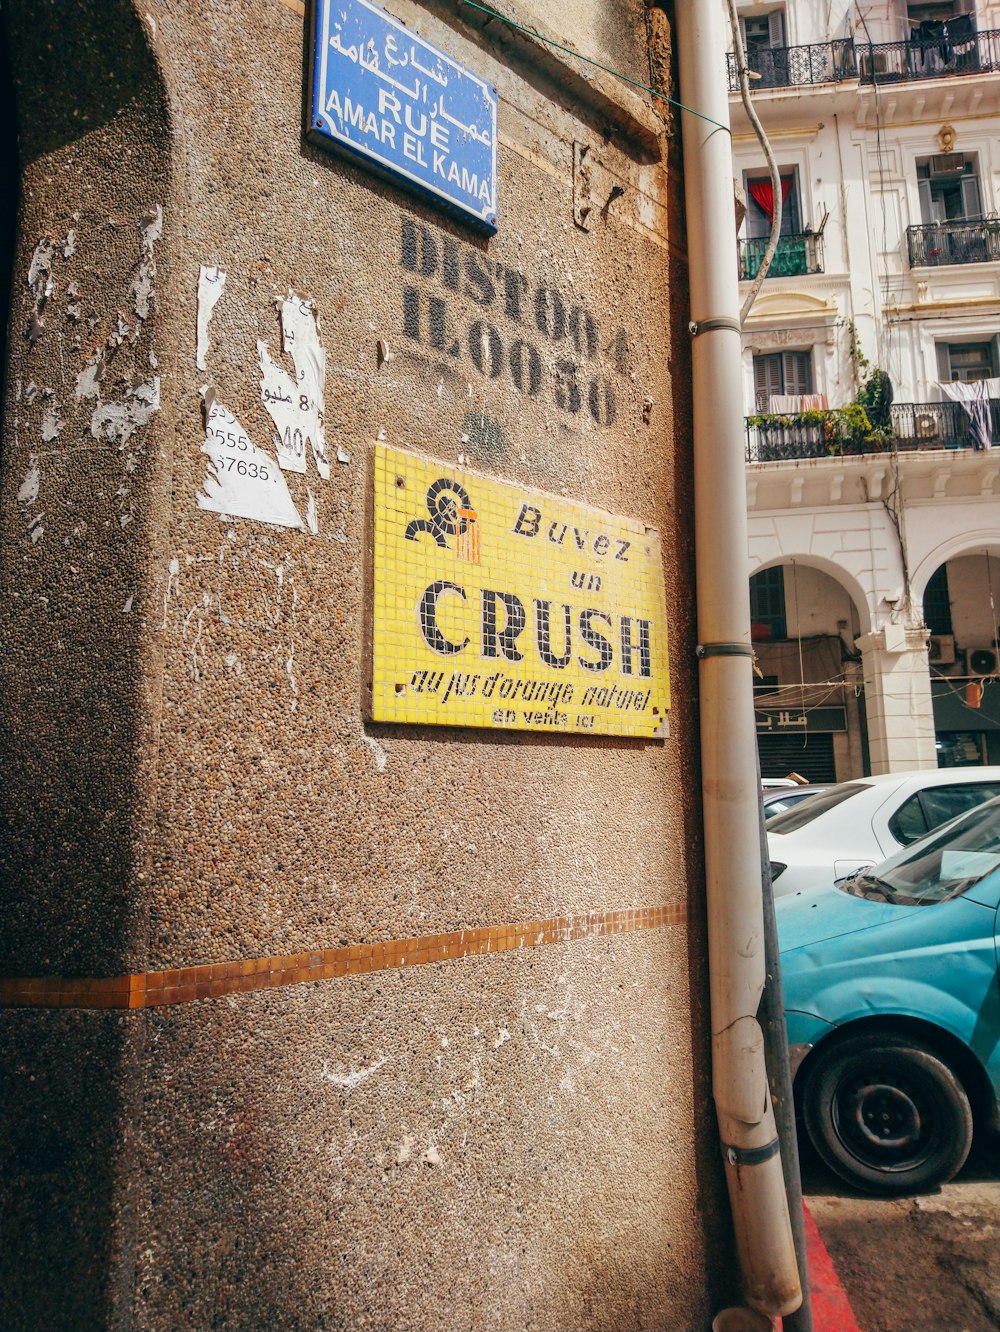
x,y
831,1309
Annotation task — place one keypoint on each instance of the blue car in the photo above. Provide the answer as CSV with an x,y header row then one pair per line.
x,y
892,1001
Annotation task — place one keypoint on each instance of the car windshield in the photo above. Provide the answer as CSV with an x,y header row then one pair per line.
x,y
942,865
807,810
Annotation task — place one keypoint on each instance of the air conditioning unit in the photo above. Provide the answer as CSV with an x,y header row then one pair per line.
x,y
928,426
984,661
948,164
874,62
941,650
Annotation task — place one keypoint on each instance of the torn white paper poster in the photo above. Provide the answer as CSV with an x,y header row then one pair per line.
x,y
296,405
240,479
210,284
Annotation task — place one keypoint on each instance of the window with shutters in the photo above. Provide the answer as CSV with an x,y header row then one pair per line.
x,y
800,249
760,206
953,228
948,184
783,373
767,605
764,42
938,12
763,31
932,13
968,361
937,602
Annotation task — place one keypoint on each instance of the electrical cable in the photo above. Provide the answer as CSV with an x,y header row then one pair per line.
x,y
615,73
798,628
879,154
994,626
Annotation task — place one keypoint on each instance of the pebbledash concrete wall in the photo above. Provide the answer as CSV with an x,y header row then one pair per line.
x,y
310,1022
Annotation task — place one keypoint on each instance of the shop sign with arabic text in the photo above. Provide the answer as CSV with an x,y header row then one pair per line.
x,y
500,606
384,93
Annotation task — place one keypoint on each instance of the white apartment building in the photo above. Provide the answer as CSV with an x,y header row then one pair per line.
x,y
874,531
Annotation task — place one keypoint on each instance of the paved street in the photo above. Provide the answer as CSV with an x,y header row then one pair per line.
x,y
925,1264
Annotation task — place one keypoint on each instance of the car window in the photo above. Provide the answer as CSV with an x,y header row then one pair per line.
x,y
908,823
807,810
928,809
941,866
775,807
945,802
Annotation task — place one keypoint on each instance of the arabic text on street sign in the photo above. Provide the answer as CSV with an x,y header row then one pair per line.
x,y
810,719
384,93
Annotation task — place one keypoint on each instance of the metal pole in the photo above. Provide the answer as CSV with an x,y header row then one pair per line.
x,y
771,1016
730,785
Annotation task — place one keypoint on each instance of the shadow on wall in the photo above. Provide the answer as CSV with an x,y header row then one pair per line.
x,y
72,747
9,198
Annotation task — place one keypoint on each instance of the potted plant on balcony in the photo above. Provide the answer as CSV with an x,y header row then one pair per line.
x,y
865,425
875,395
846,429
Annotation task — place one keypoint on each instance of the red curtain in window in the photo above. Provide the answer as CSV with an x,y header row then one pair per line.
x,y
762,193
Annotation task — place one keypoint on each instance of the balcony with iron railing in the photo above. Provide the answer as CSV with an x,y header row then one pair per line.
x,y
964,241
885,62
930,58
797,66
914,426
797,254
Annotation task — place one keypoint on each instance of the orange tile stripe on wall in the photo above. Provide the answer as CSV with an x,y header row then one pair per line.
x,y
151,989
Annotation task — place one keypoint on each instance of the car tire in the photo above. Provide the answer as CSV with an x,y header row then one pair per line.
x,y
886,1114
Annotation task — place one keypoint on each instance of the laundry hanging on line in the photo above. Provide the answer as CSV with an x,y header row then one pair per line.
x,y
974,396
790,404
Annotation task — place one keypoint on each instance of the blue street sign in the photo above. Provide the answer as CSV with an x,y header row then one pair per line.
x,y
392,98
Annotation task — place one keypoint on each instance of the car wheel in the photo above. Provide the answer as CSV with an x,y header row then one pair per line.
x,y
887,1115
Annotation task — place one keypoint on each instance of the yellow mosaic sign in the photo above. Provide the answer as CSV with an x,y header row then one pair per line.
x,y
500,606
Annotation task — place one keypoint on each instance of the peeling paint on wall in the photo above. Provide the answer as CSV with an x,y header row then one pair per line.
x,y
150,228
115,421
196,613
42,282
211,282
40,278
348,1081
51,420
28,492
296,406
381,757
118,421
171,589
88,381
240,479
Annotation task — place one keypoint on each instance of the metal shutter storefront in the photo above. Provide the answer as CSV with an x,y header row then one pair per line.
x,y
811,756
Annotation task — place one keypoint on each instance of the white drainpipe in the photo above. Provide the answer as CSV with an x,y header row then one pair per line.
x,y
728,739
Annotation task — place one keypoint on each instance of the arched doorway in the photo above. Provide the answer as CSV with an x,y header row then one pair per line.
x,y
961,604
808,695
